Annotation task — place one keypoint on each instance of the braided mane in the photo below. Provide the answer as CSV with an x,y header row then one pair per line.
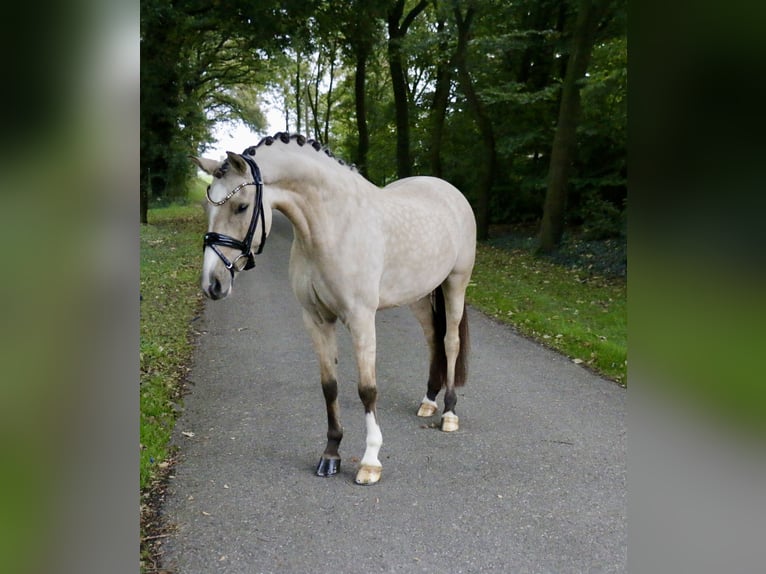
x,y
284,138
301,140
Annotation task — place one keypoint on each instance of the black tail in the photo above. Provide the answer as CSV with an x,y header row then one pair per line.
x,y
439,360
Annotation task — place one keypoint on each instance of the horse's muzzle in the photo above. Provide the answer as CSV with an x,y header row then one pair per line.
x,y
216,289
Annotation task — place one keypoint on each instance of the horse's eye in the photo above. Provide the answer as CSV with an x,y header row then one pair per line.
x,y
242,207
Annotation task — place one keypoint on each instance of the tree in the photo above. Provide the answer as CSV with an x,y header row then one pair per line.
x,y
474,91
441,94
589,16
361,35
197,63
360,29
597,197
487,174
159,81
397,30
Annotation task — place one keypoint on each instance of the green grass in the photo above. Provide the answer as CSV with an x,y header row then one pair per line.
x,y
170,262
170,299
583,318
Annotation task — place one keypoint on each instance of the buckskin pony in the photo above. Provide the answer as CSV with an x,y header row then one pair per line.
x,y
357,248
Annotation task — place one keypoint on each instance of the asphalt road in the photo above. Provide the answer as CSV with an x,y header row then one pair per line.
x,y
534,480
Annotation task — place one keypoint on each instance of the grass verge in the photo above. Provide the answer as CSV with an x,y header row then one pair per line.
x,y
170,301
583,317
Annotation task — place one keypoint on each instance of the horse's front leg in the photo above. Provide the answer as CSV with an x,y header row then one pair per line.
x,y
325,345
363,333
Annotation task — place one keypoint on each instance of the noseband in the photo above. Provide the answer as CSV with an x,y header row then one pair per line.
x,y
213,239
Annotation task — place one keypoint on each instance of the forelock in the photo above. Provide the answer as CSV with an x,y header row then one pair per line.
x,y
222,169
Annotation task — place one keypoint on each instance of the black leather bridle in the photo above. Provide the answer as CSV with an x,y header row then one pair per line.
x,y
213,239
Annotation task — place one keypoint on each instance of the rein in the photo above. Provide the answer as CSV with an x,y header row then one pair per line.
x,y
213,239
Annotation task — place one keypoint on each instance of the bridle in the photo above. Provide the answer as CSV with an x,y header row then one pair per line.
x,y
213,239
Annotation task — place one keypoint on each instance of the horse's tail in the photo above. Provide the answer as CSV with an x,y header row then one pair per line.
x,y
439,362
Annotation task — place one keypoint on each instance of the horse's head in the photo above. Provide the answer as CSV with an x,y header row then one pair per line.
x,y
238,221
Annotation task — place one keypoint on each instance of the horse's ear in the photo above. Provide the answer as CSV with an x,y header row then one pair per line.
x,y
206,165
239,164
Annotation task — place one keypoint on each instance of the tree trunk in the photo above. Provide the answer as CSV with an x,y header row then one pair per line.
x,y
144,204
313,101
439,105
329,94
145,190
360,78
362,34
487,172
403,161
565,138
298,93
396,33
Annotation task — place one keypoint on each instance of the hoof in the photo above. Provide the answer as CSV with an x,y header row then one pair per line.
x,y
450,422
368,474
427,408
328,466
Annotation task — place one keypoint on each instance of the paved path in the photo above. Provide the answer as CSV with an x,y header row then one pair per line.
x,y
534,480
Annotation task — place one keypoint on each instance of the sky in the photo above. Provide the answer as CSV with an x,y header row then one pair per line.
x,y
236,136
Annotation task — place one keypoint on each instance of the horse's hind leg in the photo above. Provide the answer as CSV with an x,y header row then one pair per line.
x,y
455,346
325,345
424,312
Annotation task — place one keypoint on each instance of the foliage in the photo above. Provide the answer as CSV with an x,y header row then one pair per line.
x,y
598,196
202,64
198,66
380,122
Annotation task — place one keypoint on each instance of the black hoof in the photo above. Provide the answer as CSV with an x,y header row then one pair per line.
x,y
328,466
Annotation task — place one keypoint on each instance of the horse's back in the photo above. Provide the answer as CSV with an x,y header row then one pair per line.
x,y
434,199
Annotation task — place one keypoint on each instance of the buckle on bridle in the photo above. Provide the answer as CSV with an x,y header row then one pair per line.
x,y
249,264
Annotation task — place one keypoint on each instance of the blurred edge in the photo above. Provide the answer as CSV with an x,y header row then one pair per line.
x,y
697,408
68,418
69,347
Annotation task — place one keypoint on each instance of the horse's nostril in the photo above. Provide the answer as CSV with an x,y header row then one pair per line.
x,y
215,289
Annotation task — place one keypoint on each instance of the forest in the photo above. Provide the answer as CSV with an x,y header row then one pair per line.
x,y
522,104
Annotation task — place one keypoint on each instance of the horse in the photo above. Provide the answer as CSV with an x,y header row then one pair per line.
x,y
357,248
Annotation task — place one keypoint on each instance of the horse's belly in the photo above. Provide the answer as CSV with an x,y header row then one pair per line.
x,y
413,276
400,297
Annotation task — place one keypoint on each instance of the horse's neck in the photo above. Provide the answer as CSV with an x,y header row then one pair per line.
x,y
319,223
313,193
297,211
